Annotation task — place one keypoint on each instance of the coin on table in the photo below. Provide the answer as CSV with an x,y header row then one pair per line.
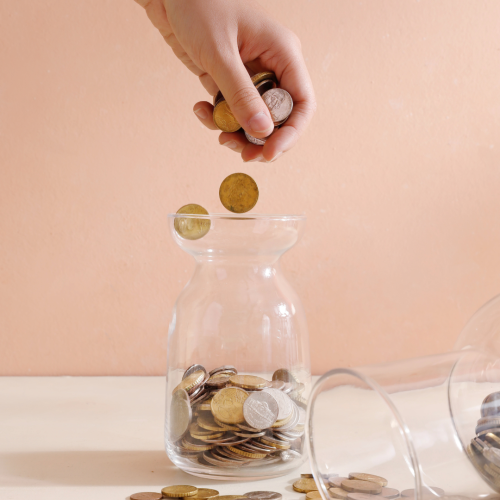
x,y
368,477
305,485
389,493
238,193
191,228
307,475
251,382
179,491
230,497
191,381
357,486
264,495
256,140
313,495
224,119
490,407
146,495
285,404
280,104
227,405
338,493
360,496
180,414
206,493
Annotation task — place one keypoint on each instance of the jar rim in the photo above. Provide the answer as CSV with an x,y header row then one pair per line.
x,y
284,217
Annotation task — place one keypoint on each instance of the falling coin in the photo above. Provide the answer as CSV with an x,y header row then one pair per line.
x,y
191,228
239,193
224,118
280,104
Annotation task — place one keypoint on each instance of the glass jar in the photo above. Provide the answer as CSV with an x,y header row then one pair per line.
x,y
238,371
422,424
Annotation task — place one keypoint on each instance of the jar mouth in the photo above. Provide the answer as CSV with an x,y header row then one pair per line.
x,y
283,217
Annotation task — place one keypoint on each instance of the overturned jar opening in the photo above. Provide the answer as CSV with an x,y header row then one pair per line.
x,y
236,234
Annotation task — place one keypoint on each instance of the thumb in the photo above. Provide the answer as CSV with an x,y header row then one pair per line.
x,y
243,98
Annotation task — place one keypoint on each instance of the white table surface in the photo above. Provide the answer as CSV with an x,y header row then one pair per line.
x,y
94,438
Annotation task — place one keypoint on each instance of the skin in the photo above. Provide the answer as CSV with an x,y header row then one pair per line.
x,y
221,41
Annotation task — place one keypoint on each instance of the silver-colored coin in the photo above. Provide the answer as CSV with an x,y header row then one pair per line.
x,y
389,493
224,368
285,404
180,415
481,434
287,455
492,454
280,104
252,448
361,496
277,384
431,490
256,140
490,423
288,387
192,369
336,482
264,495
289,435
261,409
247,428
490,407
200,398
292,422
249,434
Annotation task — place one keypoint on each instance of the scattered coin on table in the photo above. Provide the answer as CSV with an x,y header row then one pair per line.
x,y
305,485
146,495
179,491
264,495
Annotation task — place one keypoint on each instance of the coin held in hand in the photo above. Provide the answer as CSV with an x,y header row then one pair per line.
x,y
191,228
238,193
224,118
280,104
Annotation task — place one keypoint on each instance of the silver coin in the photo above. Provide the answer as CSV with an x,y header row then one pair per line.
x,y
224,368
389,493
192,369
492,454
288,387
285,404
264,495
277,384
496,430
249,434
490,423
292,422
247,428
336,482
256,140
288,435
287,455
280,104
261,409
252,448
432,490
490,406
261,446
180,415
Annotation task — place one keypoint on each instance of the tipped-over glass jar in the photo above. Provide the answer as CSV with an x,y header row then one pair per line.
x,y
238,371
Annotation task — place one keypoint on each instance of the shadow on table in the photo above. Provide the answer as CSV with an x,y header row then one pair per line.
x,y
88,468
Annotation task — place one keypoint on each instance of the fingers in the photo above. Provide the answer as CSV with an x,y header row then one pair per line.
x,y
204,111
244,100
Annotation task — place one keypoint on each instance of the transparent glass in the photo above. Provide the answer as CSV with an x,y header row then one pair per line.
x,y
410,421
238,309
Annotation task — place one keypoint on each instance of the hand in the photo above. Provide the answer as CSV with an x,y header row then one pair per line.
x,y
220,41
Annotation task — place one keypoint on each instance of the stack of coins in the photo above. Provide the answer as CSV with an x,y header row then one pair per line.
x,y
278,101
194,493
484,448
357,486
222,418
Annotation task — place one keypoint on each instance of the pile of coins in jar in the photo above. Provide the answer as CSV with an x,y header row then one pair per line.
x,y
360,486
484,448
278,101
222,418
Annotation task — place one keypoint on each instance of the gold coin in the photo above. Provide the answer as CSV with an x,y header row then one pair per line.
x,y
281,423
190,381
224,119
146,495
191,228
368,477
209,424
206,405
206,493
313,495
338,493
307,475
247,454
225,426
179,491
305,485
264,75
238,193
357,486
227,405
248,381
196,447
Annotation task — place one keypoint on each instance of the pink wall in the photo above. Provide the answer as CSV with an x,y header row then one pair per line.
x,y
399,175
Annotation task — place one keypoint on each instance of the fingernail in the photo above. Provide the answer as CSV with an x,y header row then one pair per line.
x,y
276,157
201,113
231,144
259,158
261,123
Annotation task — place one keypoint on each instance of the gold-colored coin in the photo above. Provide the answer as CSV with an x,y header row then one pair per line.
x,y
227,405
191,228
206,405
226,426
179,491
357,486
191,381
280,446
248,381
246,453
208,423
368,477
238,193
196,447
281,423
307,475
146,495
206,493
338,493
264,75
305,485
313,495
224,119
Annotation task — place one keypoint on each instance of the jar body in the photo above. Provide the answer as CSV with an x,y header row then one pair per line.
x,y
418,423
238,310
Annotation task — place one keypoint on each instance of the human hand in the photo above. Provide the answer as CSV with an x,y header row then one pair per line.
x,y
218,40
